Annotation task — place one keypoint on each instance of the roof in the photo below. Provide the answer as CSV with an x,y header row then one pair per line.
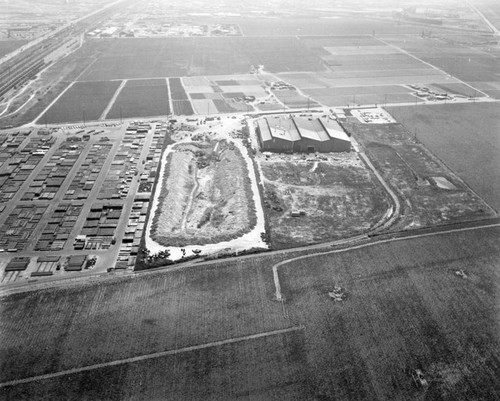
x,y
311,129
335,130
265,134
284,128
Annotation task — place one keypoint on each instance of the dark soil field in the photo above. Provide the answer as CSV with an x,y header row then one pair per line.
x,y
136,100
7,46
152,58
177,90
405,309
465,137
82,101
182,108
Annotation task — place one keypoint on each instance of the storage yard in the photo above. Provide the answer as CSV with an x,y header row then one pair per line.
x,y
84,193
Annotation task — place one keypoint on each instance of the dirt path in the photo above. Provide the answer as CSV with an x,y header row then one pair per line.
x,y
277,284
113,99
190,201
150,356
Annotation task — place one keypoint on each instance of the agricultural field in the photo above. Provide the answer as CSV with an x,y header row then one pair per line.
x,y
321,25
82,101
228,93
141,315
177,57
405,308
428,191
363,70
205,197
464,137
182,107
476,65
141,98
331,193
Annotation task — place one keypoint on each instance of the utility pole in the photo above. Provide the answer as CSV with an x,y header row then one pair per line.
x,y
121,121
84,118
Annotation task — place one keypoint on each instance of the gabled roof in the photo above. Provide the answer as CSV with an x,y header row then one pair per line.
x,y
335,130
284,128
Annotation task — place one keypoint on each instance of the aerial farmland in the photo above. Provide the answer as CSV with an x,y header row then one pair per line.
x,y
266,200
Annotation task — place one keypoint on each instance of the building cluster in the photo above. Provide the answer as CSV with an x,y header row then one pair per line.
x,y
290,134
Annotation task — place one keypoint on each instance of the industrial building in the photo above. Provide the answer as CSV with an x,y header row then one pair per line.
x,y
289,134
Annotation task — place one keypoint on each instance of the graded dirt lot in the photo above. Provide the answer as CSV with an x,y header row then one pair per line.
x,y
465,137
332,194
405,309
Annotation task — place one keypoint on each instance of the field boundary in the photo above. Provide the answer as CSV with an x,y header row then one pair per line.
x,y
106,111
151,356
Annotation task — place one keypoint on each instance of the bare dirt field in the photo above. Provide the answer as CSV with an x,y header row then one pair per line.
x,y
449,130
332,194
405,309
206,197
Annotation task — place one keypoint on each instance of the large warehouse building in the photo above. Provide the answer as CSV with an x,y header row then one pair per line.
x,y
288,134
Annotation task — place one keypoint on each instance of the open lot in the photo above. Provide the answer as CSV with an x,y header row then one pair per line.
x,y
141,98
465,137
417,176
206,195
83,101
331,193
405,309
7,46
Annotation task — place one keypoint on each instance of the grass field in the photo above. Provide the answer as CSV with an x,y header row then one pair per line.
x,y
141,98
82,101
449,130
405,308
